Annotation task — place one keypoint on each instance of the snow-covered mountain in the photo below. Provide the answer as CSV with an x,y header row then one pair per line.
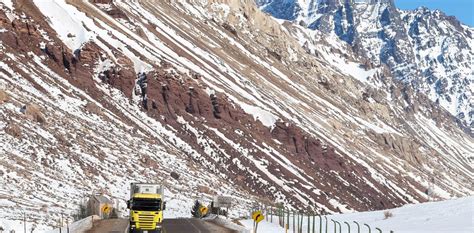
x,y
95,94
429,51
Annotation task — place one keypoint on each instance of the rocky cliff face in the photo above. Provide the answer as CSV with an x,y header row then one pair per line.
x,y
427,50
97,94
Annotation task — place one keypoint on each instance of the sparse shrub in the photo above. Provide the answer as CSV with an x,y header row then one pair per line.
x,y
195,212
204,189
93,108
387,214
62,139
14,130
3,96
33,112
81,212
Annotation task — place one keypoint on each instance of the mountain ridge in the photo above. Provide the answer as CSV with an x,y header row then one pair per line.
x,y
237,103
438,63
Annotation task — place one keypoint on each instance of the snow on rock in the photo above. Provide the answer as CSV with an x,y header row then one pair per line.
x,y
267,118
67,24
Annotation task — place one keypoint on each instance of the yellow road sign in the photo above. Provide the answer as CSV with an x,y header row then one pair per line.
x,y
257,216
106,209
203,210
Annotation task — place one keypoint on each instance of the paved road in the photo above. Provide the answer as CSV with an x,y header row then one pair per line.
x,y
192,225
181,225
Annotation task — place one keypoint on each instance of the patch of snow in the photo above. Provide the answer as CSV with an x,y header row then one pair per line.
x,y
7,3
69,29
267,118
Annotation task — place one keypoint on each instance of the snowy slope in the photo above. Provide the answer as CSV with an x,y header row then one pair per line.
x,y
453,216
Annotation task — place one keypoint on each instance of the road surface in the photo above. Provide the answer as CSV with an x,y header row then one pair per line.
x,y
180,225
110,226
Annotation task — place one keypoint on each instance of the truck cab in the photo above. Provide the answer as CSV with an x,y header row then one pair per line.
x,y
146,208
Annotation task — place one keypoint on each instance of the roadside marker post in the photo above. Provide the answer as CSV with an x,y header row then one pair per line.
x,y
367,225
358,226
335,227
298,221
309,221
293,222
257,217
288,217
326,219
320,224
301,223
348,227
340,227
203,211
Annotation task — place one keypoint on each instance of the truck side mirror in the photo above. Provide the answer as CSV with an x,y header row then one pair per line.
x,y
128,204
164,205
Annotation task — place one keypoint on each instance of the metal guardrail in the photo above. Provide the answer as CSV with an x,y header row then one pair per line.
x,y
292,221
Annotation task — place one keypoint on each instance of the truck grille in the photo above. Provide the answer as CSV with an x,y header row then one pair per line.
x,y
146,222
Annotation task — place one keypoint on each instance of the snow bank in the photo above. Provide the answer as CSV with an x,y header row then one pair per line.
x,y
80,226
452,216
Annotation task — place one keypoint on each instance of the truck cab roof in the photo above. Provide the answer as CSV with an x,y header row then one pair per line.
x,y
147,195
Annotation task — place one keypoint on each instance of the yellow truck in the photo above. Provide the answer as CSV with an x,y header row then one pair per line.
x,y
146,208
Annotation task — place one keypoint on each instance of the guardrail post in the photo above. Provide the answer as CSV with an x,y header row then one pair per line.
x,y
334,225
271,214
326,218
301,223
348,227
283,217
314,223
367,225
298,222
309,221
320,224
266,212
378,229
279,216
294,222
358,226
283,212
288,217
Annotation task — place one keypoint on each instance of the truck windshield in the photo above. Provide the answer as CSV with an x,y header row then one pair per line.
x,y
144,204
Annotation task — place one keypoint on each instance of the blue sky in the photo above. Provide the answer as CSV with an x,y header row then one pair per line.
x,y
462,9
